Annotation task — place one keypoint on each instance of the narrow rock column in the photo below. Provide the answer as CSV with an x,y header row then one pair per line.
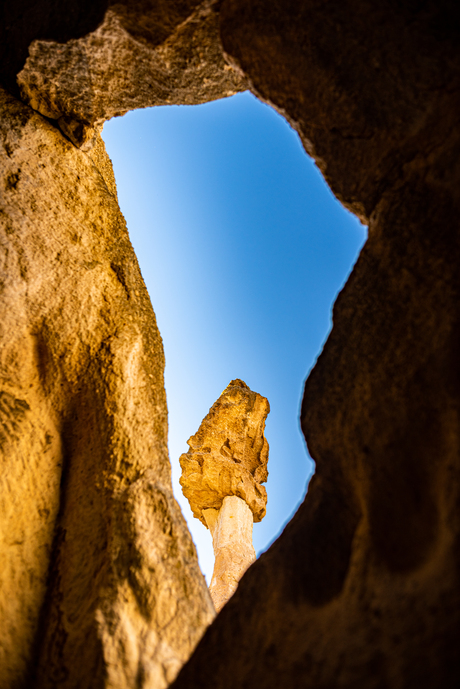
x,y
221,477
231,530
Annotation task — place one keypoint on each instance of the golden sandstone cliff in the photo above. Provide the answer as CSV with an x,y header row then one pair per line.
x,y
100,585
88,597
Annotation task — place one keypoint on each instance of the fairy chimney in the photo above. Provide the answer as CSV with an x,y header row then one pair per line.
x,y
222,473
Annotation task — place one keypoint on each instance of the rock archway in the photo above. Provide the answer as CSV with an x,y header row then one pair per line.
x,y
100,584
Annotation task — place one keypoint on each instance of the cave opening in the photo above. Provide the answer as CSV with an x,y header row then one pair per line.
x,y
243,248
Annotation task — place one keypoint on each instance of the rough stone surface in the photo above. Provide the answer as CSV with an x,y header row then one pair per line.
x,y
23,21
221,475
142,54
370,87
100,582
362,589
228,454
231,529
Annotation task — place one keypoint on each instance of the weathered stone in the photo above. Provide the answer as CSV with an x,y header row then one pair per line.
x,y
100,581
142,54
221,475
362,589
229,453
231,529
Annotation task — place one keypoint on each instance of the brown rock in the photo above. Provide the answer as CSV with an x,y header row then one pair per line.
x,y
362,589
142,54
221,475
100,582
229,453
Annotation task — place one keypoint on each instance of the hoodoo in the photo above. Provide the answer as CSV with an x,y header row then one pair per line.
x,y
221,477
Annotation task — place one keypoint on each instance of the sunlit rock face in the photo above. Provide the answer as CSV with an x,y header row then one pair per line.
x,y
100,586
141,54
229,453
100,582
221,476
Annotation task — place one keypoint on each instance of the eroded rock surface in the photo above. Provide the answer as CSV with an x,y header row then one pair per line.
x,y
228,454
362,588
142,54
221,477
100,581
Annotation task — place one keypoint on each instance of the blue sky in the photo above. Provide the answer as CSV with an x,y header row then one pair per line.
x,y
243,249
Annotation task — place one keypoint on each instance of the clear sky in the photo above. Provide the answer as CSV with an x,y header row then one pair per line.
x,y
243,249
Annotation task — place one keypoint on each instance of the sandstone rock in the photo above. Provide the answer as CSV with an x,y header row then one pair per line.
x,y
100,583
231,529
221,475
362,589
142,54
229,453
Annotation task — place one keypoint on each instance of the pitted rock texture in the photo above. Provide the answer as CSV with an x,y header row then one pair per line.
x,y
228,454
142,54
100,580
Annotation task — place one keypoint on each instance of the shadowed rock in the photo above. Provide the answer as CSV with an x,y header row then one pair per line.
x,y
100,586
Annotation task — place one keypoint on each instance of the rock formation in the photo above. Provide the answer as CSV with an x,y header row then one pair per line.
x,y
362,589
100,585
231,530
133,59
100,581
229,453
221,477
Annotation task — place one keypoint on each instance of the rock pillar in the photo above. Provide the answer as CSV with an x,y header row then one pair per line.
x,y
221,476
231,530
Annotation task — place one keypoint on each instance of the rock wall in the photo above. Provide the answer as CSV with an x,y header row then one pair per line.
x,y
142,54
100,585
100,580
362,589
